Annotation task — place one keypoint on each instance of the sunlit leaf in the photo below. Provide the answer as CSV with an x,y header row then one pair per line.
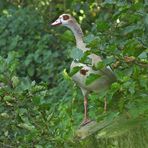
x,y
75,70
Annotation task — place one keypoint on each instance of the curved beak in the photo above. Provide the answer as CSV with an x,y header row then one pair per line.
x,y
57,22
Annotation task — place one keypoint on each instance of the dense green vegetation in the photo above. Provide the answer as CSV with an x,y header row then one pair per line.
x,y
40,106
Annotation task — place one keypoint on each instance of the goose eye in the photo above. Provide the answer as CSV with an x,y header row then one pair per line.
x,y
65,17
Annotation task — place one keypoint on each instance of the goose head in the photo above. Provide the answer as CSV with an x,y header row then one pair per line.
x,y
64,19
70,22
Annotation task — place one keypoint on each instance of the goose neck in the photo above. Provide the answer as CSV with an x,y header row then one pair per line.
x,y
76,29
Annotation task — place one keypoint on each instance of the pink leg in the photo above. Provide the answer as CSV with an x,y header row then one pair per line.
x,y
86,119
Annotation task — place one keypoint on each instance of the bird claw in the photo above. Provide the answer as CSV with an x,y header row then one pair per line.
x,y
85,121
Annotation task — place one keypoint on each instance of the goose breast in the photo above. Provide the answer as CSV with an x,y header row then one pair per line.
x,y
99,84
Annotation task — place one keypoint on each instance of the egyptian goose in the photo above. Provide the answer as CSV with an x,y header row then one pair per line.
x,y
106,78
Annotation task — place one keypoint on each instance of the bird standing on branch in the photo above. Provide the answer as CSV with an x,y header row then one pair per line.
x,y
106,76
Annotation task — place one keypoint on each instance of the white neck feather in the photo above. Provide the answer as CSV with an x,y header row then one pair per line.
x,y
76,29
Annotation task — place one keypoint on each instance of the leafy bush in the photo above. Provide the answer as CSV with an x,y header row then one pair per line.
x,y
23,30
40,106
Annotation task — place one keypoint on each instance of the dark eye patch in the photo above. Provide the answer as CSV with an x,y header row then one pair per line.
x,y
65,17
83,71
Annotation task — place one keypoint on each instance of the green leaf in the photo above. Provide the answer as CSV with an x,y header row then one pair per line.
x,y
100,65
131,29
143,79
143,55
132,88
65,74
36,100
15,81
75,70
67,36
25,84
89,38
14,42
115,86
31,70
102,26
76,53
91,78
109,60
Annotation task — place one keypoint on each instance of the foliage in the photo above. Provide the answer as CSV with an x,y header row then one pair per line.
x,y
31,41
40,105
